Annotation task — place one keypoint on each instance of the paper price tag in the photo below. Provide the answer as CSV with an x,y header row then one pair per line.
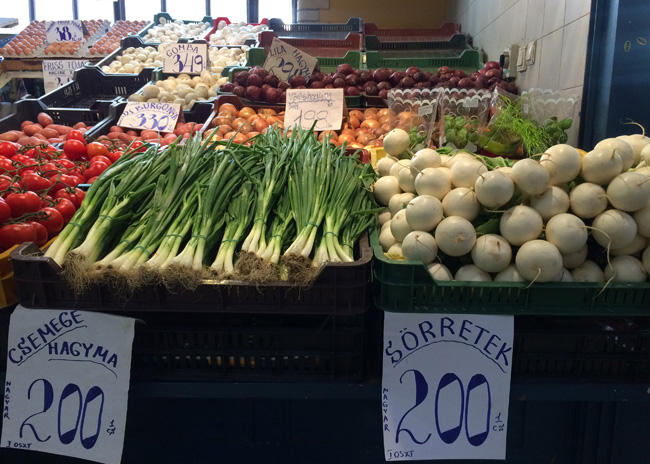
x,y
59,72
306,106
470,103
67,383
446,386
185,58
160,117
64,31
286,61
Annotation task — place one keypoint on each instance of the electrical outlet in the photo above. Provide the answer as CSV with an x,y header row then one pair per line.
x,y
508,60
521,60
531,49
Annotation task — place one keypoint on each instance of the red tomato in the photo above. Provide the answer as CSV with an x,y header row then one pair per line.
x,y
23,203
66,163
91,180
76,196
6,166
22,160
46,201
34,182
74,149
96,169
8,149
15,234
49,152
96,149
32,153
63,181
5,182
138,147
52,220
103,159
75,135
115,155
5,211
41,233
48,169
66,208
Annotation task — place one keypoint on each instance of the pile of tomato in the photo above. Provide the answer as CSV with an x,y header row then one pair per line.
x,y
39,191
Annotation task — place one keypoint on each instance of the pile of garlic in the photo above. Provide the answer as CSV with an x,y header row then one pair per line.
x,y
134,60
235,34
168,32
183,89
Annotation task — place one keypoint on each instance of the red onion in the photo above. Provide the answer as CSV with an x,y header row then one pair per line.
x,y
228,87
254,93
492,65
272,95
338,83
407,83
317,85
493,73
384,86
283,86
465,83
345,69
254,80
240,91
383,94
397,77
351,91
381,75
351,79
242,77
297,80
412,70
272,80
420,77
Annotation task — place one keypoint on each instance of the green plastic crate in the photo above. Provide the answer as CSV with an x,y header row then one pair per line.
x,y
257,57
407,286
468,61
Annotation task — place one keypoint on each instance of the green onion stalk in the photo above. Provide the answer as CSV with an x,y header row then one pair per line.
x,y
238,219
308,188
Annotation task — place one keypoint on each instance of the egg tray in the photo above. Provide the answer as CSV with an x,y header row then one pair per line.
x,y
85,46
33,54
105,54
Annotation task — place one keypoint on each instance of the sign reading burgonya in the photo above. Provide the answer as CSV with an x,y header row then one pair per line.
x,y
160,117
286,61
67,383
446,386
64,31
322,106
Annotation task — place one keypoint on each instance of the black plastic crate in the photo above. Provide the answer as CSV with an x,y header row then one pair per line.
x,y
576,350
340,289
93,89
127,42
248,348
28,109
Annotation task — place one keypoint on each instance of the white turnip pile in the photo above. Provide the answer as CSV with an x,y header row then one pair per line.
x,y
560,216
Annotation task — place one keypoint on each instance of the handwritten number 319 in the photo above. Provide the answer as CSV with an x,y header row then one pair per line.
x,y
451,435
70,390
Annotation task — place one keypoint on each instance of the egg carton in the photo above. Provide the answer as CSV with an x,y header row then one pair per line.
x,y
85,46
109,53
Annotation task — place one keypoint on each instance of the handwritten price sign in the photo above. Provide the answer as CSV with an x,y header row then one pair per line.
x,y
67,383
185,58
159,117
446,386
286,61
64,31
59,72
322,106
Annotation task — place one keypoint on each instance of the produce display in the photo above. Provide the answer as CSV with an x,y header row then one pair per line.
x,y
111,41
292,203
118,138
235,34
172,32
42,131
184,89
561,215
38,184
74,48
133,60
221,57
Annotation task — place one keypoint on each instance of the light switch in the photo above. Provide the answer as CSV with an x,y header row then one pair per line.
x,y
530,52
521,60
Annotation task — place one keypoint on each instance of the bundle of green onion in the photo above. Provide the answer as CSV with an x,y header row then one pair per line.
x,y
280,208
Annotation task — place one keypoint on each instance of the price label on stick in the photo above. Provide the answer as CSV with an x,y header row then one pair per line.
x,y
65,31
160,117
286,61
67,383
446,386
185,58
322,106
59,72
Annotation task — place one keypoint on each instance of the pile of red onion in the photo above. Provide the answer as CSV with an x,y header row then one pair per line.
x,y
259,85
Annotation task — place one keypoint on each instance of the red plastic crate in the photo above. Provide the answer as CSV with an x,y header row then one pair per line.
x,y
331,48
216,22
444,32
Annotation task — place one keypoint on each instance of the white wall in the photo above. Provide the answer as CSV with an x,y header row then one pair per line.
x,y
561,28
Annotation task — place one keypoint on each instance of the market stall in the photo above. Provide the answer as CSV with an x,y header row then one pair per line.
x,y
278,207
